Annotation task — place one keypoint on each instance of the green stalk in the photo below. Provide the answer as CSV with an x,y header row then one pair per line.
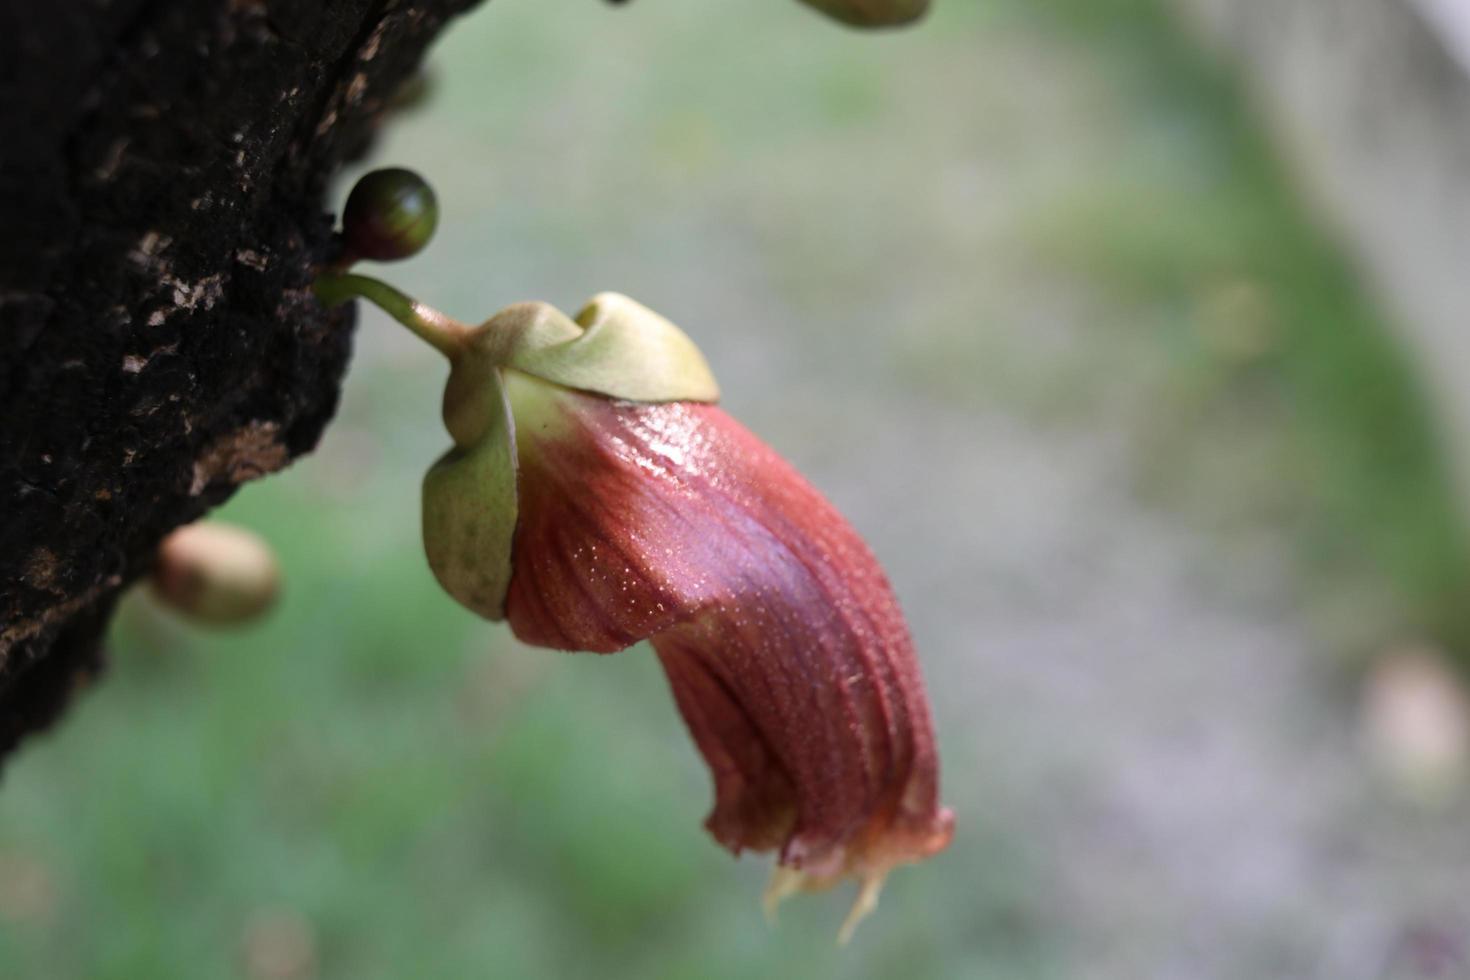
x,y
444,333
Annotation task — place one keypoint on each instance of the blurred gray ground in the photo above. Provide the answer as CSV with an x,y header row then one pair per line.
x,y
1147,730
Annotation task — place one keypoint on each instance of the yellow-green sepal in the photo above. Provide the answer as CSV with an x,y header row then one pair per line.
x,y
616,347
470,508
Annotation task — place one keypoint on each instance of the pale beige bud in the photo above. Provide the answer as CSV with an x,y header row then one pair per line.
x,y
1416,718
216,573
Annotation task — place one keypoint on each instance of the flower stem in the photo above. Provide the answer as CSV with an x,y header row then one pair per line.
x,y
442,332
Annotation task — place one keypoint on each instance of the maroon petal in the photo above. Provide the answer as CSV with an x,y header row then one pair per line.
x,y
784,645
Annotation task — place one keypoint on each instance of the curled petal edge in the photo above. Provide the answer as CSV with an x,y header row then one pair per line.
x,y
616,347
623,350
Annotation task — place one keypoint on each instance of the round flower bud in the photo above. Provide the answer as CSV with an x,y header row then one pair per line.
x,y
390,214
216,573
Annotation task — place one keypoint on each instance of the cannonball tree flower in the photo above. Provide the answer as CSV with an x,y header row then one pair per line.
x,y
595,497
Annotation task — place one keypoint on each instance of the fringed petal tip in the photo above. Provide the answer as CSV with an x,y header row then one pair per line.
x,y
869,867
786,882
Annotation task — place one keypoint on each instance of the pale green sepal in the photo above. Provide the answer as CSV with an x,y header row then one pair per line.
x,y
470,509
473,395
520,327
626,351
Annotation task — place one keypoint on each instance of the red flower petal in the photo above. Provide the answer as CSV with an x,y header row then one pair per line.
x,y
786,650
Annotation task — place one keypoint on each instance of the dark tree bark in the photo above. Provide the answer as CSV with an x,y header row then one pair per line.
x,y
162,169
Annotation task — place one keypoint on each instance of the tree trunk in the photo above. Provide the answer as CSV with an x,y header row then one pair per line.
x,y
162,169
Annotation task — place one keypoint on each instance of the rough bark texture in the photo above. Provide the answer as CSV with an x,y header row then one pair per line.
x,y
162,169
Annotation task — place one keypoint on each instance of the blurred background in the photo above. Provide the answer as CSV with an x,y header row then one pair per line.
x,y
1084,327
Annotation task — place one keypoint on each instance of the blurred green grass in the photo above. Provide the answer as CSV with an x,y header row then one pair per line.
x,y
429,799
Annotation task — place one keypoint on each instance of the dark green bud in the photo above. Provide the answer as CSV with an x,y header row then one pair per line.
x,y
390,214
872,13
